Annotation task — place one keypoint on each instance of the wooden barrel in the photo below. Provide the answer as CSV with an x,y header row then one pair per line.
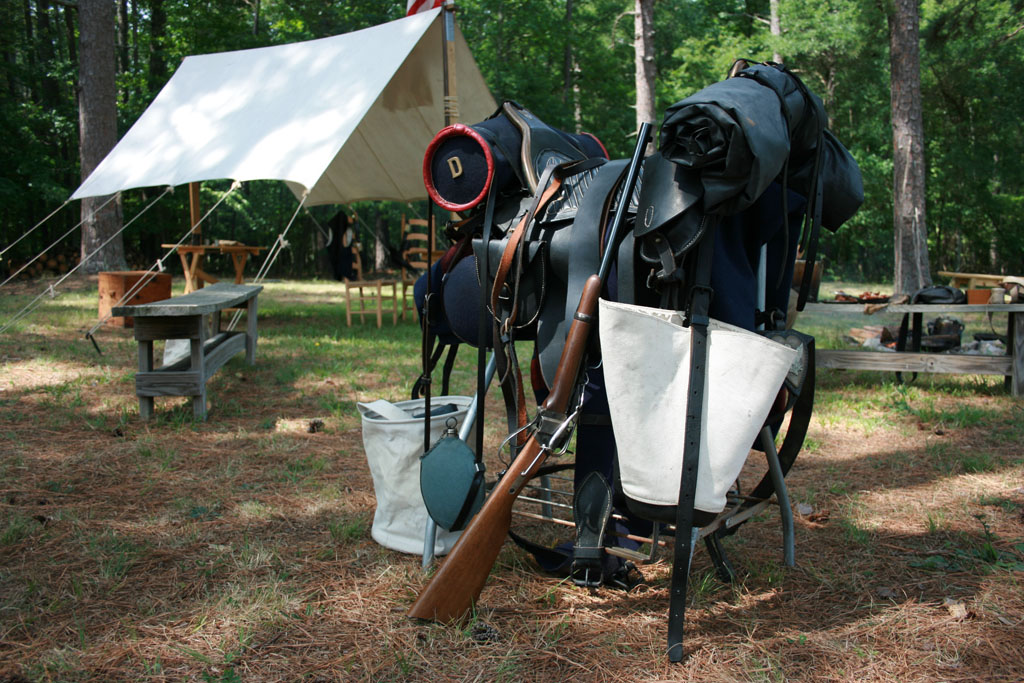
x,y
114,284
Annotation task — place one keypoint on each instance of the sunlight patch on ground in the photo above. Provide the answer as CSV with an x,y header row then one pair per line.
x,y
35,374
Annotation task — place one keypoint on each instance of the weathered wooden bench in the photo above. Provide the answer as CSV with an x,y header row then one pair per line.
x,y
1011,365
196,317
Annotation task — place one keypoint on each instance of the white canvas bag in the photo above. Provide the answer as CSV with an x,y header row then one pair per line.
x,y
646,354
393,441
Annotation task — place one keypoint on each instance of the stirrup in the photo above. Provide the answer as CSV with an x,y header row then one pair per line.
x,y
592,507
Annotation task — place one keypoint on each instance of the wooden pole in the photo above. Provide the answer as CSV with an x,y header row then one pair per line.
x,y
451,103
195,214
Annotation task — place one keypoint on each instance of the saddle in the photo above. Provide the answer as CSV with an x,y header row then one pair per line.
x,y
739,165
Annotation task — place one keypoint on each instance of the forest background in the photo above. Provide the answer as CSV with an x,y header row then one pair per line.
x,y
572,63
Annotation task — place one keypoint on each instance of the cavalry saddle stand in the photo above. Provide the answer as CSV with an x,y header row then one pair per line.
x,y
544,244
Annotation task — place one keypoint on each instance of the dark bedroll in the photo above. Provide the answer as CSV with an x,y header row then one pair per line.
x,y
745,173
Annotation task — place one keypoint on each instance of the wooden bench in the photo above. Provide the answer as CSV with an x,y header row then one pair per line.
x,y
1011,365
196,317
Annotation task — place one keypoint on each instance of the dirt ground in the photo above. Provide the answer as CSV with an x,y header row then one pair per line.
x,y
239,549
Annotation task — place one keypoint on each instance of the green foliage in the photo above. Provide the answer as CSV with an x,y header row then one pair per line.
x,y
976,185
572,64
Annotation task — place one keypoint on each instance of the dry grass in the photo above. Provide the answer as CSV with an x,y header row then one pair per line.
x,y
239,548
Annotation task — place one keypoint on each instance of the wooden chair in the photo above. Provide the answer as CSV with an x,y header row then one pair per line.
x,y
367,298
415,253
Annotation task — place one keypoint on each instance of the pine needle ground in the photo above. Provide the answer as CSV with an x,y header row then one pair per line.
x,y
239,549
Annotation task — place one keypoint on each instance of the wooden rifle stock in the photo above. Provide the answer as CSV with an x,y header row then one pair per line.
x,y
450,594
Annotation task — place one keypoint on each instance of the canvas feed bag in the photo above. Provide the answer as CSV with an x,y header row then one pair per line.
x,y
393,441
646,354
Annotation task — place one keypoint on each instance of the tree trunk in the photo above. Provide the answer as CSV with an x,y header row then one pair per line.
x,y
122,36
570,68
911,246
46,41
643,47
97,122
157,35
775,28
69,28
567,60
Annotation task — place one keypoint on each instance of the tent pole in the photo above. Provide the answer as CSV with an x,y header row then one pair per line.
x,y
451,114
451,103
195,214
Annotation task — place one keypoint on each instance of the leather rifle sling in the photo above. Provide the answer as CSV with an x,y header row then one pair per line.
x,y
509,377
698,316
551,181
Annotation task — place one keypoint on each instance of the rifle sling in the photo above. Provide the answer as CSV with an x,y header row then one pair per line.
x,y
481,330
504,344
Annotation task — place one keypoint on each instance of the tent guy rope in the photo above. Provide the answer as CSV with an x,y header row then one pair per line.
x,y
55,243
51,289
275,251
37,225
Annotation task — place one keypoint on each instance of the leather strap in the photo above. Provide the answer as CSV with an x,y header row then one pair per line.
x,y
813,224
481,355
511,381
515,239
592,507
551,181
698,318
584,244
507,366
467,505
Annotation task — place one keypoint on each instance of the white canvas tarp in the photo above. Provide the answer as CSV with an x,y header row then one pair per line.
x,y
347,118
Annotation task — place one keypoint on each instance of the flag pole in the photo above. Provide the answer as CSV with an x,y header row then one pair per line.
x,y
451,103
451,116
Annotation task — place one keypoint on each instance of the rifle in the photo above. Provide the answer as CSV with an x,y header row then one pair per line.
x,y
451,592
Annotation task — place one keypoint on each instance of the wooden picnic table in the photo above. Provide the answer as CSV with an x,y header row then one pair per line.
x,y
192,261
978,280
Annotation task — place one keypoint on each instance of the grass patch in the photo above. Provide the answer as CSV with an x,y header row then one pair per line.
x,y
346,530
114,553
17,528
1005,504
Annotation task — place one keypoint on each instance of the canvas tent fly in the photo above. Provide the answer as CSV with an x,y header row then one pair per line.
x,y
344,119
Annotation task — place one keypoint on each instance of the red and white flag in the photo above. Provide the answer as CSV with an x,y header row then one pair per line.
x,y
416,6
